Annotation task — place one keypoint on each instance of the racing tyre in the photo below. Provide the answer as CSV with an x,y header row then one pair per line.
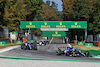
x,y
58,52
44,44
73,53
86,53
67,54
22,46
34,46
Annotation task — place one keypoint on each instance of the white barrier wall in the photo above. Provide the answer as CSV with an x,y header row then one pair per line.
x,y
13,37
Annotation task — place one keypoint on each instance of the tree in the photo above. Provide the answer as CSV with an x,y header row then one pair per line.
x,y
82,11
15,12
88,10
48,2
95,26
48,13
67,9
54,6
2,12
34,6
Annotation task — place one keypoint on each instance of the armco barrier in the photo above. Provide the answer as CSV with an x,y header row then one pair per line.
x,y
88,44
80,43
6,40
18,42
2,43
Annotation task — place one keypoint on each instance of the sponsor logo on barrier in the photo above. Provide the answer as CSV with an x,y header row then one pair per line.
x,y
2,43
88,44
60,26
56,34
30,25
80,43
98,55
76,25
14,33
53,24
45,25
32,41
18,42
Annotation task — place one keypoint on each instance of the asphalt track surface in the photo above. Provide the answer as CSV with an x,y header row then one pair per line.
x,y
42,54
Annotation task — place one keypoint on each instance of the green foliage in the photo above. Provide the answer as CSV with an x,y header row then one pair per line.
x,y
88,10
34,6
48,2
54,6
48,13
96,17
10,28
81,10
60,14
15,12
1,12
36,32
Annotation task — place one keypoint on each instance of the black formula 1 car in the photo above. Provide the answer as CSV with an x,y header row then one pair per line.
x,y
29,45
72,52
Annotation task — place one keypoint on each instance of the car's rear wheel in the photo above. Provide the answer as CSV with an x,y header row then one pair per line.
x,y
58,52
68,53
34,46
86,53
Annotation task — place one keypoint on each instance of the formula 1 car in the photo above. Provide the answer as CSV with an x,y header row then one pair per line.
x,y
72,52
41,43
29,45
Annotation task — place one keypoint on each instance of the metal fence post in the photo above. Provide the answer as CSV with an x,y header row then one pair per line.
x,y
85,34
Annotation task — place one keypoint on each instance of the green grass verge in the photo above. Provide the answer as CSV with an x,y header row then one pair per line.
x,y
8,45
93,52
73,44
18,58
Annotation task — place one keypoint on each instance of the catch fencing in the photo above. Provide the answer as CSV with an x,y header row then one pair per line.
x,y
93,39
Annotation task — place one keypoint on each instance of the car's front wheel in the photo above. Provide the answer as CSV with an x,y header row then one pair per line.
x,y
22,46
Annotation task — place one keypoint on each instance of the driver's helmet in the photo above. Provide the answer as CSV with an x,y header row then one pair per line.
x,y
68,48
29,42
26,41
75,49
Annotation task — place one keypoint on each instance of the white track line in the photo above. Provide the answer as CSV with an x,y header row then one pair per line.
x,y
51,39
8,48
96,57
